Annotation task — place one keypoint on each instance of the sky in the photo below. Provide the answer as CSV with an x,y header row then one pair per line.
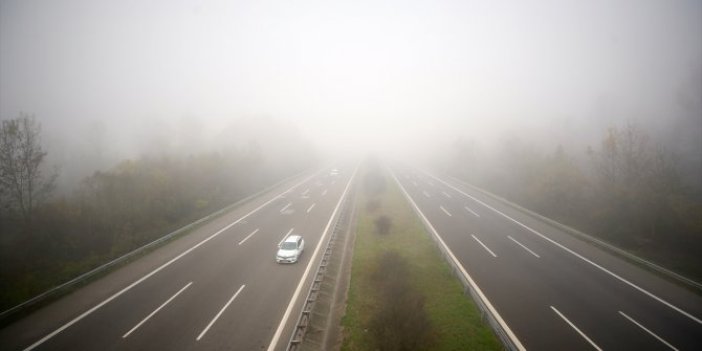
x,y
364,75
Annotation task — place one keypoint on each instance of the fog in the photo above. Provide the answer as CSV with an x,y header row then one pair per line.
x,y
110,80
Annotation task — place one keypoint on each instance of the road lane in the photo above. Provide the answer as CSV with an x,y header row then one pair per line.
x,y
215,311
294,306
523,287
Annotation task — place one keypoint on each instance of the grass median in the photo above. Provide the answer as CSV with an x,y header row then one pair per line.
x,y
403,295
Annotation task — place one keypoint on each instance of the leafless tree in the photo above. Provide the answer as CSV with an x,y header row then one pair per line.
x,y
23,182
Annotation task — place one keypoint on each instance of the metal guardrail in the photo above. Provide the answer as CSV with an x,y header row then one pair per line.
x,y
303,321
589,238
105,267
487,312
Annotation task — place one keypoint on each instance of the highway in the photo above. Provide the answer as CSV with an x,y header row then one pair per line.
x,y
213,289
552,291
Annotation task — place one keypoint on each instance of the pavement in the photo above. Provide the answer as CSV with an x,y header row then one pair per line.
x,y
551,289
216,288
219,287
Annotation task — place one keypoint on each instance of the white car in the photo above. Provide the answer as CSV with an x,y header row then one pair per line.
x,y
334,172
290,249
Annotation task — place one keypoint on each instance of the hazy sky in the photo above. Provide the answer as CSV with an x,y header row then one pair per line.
x,y
353,72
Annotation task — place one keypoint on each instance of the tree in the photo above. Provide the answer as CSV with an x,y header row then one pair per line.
x,y
23,182
558,188
636,179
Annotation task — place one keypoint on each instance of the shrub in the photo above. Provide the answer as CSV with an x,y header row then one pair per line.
x,y
400,323
383,225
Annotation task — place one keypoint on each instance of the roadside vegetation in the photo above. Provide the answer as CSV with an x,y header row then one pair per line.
x,y
403,295
47,239
629,191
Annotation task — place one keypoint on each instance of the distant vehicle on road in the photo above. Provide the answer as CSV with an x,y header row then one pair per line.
x,y
334,172
290,249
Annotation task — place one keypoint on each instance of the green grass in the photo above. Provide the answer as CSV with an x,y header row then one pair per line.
x,y
456,322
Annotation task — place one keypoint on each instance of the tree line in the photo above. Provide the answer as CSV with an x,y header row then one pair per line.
x,y
627,191
47,239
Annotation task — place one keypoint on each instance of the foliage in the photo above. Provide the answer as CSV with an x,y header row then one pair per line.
x,y
383,224
401,322
115,211
430,300
635,182
627,191
23,182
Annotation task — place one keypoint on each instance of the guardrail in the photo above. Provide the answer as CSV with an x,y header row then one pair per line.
x,y
487,312
589,238
105,267
303,322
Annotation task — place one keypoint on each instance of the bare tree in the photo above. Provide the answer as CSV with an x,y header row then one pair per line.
x,y
23,182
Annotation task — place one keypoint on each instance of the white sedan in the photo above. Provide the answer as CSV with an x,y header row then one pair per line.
x,y
290,249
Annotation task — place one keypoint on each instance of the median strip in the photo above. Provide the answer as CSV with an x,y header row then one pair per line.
x,y
402,290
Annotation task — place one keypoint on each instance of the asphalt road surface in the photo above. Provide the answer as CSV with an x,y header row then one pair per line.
x,y
216,288
219,287
553,291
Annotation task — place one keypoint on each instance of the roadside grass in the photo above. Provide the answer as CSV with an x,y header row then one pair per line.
x,y
455,321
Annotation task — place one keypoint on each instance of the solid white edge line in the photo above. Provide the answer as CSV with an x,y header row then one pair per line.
x,y
117,294
248,236
648,331
576,329
471,211
311,207
286,236
465,274
291,304
646,292
524,247
446,212
219,313
483,245
156,310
